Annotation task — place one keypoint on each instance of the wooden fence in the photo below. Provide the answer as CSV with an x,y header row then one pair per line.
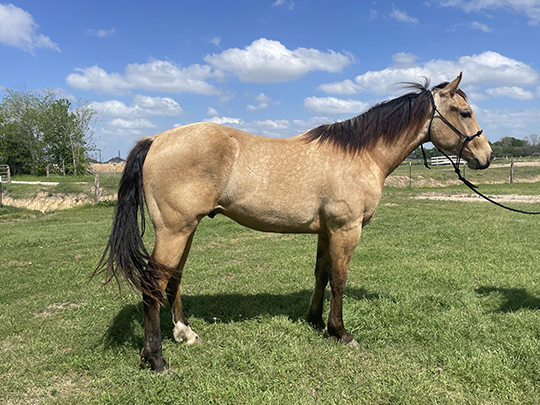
x,y
5,173
443,160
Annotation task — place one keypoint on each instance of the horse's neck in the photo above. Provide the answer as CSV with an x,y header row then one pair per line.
x,y
389,157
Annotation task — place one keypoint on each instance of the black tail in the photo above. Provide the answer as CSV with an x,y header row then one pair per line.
x,y
125,252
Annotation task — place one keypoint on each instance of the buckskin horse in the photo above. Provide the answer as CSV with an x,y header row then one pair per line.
x,y
326,181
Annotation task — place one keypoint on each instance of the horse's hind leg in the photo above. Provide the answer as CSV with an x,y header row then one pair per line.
x,y
151,352
182,331
168,251
322,273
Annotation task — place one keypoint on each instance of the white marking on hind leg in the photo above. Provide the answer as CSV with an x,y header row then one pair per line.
x,y
184,333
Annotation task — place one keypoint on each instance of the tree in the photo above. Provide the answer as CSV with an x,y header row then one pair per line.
x,y
532,144
21,126
510,146
79,128
41,128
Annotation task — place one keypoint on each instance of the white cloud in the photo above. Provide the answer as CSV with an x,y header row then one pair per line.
x,y
101,33
142,106
404,59
272,128
18,29
212,112
344,88
155,75
140,123
485,68
272,124
520,122
511,92
225,120
285,3
311,123
402,16
479,26
266,61
529,8
216,41
263,100
332,105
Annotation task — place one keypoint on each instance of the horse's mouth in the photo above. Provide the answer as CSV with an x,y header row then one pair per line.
x,y
476,164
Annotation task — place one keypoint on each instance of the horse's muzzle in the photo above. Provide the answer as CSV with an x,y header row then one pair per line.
x,y
476,164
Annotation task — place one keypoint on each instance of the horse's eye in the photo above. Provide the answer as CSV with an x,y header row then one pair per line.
x,y
466,114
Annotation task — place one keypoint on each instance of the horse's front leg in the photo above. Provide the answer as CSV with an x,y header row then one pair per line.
x,y
342,245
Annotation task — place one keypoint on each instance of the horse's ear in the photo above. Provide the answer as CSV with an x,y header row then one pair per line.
x,y
452,87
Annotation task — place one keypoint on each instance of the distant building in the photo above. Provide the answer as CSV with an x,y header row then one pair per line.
x,y
116,159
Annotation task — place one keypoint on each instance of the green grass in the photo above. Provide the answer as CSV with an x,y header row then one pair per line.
x,y
443,297
442,174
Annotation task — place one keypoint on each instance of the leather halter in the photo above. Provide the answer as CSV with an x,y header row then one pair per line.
x,y
468,138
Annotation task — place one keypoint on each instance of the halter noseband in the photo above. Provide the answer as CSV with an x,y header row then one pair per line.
x,y
468,138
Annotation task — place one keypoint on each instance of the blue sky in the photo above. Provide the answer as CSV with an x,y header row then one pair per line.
x,y
274,68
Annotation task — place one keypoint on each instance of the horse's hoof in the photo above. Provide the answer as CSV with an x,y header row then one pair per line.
x,y
157,364
184,333
353,343
316,322
197,341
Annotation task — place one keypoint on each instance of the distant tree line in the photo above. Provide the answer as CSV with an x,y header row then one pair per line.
x,y
38,129
505,147
510,146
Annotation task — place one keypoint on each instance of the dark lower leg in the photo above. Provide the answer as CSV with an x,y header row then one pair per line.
x,y
322,271
315,310
335,326
151,352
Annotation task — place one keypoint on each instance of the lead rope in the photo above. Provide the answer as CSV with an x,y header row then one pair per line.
x,y
468,139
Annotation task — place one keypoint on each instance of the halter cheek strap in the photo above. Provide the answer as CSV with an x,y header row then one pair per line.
x,y
468,138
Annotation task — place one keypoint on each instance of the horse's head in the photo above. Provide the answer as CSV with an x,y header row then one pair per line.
x,y
454,127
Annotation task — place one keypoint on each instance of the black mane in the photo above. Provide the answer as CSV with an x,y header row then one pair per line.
x,y
385,122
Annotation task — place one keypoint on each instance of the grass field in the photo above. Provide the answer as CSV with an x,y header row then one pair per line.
x,y
443,297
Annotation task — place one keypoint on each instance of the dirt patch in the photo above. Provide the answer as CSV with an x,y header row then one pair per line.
x,y
506,198
56,308
43,202
107,167
516,164
404,181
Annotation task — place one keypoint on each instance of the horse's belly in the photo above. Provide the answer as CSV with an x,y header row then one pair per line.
x,y
273,219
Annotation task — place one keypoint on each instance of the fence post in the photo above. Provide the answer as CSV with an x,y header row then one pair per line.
x,y
47,169
97,192
8,175
1,204
512,171
410,174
